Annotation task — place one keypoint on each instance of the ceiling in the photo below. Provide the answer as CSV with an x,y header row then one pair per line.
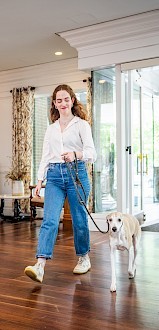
x,y
29,29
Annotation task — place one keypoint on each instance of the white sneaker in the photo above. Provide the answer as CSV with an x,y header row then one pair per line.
x,y
36,272
83,265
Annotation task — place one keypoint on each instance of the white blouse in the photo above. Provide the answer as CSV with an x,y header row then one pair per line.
x,y
76,136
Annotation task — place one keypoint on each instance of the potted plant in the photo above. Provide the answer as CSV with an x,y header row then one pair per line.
x,y
16,174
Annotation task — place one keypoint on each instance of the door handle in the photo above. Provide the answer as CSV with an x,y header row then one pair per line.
x,y
128,148
139,158
145,164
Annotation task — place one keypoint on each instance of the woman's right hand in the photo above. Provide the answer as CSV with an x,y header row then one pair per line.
x,y
38,188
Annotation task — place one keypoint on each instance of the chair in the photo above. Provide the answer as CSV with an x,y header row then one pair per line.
x,y
36,202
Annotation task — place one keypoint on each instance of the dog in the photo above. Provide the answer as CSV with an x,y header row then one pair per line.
x,y
124,233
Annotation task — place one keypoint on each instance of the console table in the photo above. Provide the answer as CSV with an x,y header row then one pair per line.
x,y
17,209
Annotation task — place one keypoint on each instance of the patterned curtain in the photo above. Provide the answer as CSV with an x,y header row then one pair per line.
x,y
22,115
89,114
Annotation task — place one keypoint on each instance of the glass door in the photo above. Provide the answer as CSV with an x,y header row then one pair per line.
x,y
137,149
148,150
104,133
142,103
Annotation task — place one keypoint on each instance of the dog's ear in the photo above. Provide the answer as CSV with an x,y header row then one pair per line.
x,y
107,218
107,221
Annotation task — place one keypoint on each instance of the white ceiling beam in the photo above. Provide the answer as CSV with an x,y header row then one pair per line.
x,y
122,40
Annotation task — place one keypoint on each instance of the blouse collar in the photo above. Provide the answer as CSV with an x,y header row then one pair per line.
x,y
74,120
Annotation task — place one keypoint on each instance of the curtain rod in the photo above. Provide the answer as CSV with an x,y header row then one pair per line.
x,y
23,88
89,79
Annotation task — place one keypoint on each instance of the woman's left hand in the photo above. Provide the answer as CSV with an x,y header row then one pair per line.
x,y
68,156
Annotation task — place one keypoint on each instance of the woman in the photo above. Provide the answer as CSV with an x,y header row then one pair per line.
x,y
68,134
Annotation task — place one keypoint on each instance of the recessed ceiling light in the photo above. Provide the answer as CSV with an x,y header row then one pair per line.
x,y
58,53
102,81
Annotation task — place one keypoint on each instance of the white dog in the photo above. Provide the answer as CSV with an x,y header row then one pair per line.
x,y
124,233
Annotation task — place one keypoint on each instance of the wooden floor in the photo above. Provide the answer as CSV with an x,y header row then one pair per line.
x,y
76,302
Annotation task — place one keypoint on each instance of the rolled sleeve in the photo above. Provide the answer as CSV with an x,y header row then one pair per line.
x,y
45,158
89,152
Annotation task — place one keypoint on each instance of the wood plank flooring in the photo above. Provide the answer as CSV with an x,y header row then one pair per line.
x,y
76,302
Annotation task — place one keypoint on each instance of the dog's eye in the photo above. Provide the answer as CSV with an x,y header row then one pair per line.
x,y
119,220
110,219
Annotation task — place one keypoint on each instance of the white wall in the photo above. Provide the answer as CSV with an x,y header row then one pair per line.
x,y
6,140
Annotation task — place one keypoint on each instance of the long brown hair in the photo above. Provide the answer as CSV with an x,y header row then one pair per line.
x,y
77,109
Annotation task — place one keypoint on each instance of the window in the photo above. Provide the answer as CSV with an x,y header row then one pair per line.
x,y
40,123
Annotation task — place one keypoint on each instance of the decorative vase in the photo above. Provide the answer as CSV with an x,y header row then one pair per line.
x,y
18,188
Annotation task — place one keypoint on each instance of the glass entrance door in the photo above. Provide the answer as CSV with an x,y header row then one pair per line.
x,y
142,103
142,148
104,133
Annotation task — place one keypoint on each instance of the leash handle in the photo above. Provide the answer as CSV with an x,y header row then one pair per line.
x,y
76,168
75,161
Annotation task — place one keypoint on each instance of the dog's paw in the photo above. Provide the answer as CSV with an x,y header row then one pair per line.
x,y
132,273
113,287
121,247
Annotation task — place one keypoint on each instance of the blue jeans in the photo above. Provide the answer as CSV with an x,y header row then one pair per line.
x,y
59,185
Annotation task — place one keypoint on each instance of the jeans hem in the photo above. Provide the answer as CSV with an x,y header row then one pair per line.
x,y
82,254
43,256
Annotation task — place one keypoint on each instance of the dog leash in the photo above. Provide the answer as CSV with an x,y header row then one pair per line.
x,y
77,183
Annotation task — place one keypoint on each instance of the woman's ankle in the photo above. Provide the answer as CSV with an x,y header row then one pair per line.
x,y
41,261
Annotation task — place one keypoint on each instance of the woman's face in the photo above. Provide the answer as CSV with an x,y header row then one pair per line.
x,y
63,102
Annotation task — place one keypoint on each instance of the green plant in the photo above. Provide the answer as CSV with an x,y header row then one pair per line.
x,y
17,172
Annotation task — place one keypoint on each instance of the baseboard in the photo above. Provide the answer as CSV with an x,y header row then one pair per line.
x,y
140,216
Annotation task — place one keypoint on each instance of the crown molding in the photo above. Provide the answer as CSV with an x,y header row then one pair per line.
x,y
44,77
105,43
